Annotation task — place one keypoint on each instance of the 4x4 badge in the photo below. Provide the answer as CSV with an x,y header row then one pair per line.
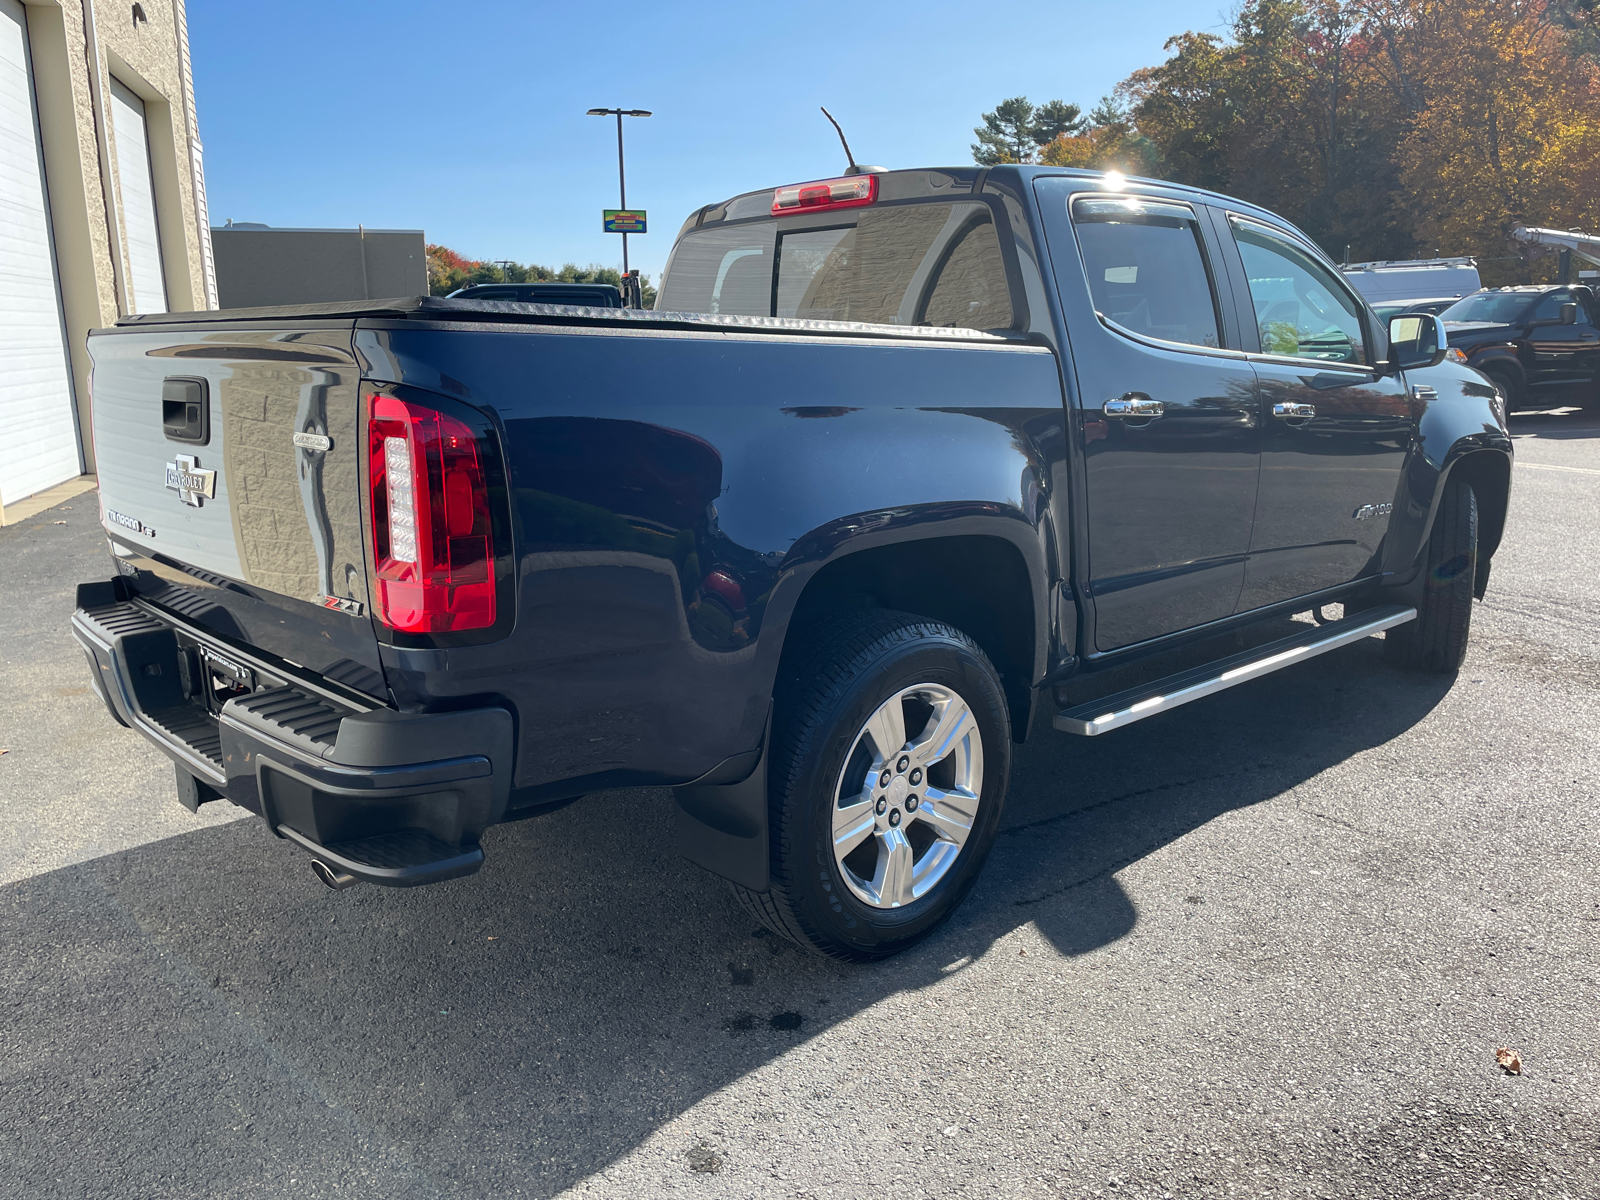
x,y
185,477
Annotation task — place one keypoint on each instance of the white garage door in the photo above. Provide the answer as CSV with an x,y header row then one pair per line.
x,y
146,283
38,433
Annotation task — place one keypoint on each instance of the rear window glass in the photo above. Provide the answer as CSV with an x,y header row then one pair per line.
x,y
925,264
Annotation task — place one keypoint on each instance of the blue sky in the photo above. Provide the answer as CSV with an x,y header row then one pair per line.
x,y
467,119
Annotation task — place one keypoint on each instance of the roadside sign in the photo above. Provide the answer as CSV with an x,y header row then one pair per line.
x,y
624,220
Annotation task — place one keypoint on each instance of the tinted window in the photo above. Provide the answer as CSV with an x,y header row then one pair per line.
x,y
920,264
1301,310
726,271
1549,308
804,256
1496,307
1146,271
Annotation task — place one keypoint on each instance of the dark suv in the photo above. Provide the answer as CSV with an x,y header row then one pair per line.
x,y
1541,345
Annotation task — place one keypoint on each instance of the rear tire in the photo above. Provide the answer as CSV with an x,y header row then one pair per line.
x,y
851,880
1437,640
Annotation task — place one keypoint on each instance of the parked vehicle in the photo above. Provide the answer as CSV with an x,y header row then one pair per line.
x,y
1392,281
1432,306
591,295
1540,345
897,455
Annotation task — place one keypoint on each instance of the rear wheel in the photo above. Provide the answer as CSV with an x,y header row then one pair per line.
x,y
891,749
1437,640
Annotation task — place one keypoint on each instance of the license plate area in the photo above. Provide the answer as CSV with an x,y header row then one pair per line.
x,y
213,678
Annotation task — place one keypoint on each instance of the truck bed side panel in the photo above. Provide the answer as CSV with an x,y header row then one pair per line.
x,y
673,493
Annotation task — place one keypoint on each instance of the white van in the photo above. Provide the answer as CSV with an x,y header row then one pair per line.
x,y
1419,279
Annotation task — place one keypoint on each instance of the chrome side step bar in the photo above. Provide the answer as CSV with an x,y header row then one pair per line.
x,y
1135,704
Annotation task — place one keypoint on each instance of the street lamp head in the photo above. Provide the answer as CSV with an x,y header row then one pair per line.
x,y
599,112
618,112
636,112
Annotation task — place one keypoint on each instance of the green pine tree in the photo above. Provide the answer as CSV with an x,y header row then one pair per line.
x,y
1006,134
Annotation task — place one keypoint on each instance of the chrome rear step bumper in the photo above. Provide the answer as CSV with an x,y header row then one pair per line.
x,y
1112,712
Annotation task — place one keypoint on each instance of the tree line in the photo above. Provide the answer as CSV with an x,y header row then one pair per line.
x,y
1393,128
449,271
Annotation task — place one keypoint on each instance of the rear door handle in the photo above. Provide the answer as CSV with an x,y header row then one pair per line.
x,y
1134,405
1294,412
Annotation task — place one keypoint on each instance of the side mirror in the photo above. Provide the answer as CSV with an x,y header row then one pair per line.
x,y
1569,313
1417,340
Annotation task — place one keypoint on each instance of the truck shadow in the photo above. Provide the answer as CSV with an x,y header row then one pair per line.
x,y
206,1002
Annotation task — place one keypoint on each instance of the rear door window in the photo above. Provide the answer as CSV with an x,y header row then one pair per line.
x,y
1146,271
918,264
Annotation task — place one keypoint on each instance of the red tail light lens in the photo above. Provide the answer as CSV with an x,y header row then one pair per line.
x,y
850,192
431,535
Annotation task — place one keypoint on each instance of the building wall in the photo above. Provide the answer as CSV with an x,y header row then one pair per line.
x,y
77,46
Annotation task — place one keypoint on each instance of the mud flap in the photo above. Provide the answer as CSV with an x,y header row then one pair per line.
x,y
722,822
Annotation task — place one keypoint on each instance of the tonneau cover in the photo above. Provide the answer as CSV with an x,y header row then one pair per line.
x,y
440,308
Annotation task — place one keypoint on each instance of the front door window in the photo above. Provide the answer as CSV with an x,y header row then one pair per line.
x,y
1300,310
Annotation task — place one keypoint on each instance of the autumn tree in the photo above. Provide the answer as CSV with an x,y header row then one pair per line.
x,y
1507,133
1105,141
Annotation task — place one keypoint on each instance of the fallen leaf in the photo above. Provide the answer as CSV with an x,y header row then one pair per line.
x,y
5,752
1510,1061
1022,952
491,939
58,522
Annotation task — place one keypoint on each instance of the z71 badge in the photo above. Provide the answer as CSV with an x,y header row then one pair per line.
x,y
185,477
353,607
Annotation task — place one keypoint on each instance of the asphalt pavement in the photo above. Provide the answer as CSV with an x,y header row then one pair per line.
x,y
1265,945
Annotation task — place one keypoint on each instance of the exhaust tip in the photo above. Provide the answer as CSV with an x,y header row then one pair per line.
x,y
337,880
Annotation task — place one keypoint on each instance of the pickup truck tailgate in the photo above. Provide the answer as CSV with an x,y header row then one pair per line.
x,y
229,465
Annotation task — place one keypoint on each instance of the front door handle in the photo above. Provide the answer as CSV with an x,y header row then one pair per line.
x,y
1294,412
1134,405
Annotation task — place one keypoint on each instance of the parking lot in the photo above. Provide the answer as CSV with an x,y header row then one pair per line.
x,y
1266,945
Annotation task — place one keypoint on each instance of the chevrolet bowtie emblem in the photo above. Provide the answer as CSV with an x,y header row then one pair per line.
x,y
191,483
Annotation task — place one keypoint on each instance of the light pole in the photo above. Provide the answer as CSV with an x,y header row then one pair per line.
x,y
622,178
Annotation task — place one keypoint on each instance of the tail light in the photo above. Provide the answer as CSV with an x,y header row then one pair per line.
x,y
851,192
431,535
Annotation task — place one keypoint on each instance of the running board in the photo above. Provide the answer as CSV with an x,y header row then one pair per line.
x,y
1135,704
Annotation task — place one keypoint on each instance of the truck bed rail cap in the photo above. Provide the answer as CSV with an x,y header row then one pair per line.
x,y
440,308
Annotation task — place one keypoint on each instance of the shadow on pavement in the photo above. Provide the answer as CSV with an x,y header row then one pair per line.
x,y
198,1015
1561,423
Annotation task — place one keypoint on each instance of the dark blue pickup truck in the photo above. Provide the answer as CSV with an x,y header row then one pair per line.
x,y
896,456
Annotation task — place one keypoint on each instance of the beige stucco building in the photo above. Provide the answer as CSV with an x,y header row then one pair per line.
x,y
102,209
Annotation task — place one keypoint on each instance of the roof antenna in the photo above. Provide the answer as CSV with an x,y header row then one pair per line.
x,y
850,159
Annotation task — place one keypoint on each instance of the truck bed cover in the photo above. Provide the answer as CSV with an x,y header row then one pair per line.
x,y
439,308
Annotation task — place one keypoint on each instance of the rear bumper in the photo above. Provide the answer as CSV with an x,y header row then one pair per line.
x,y
393,798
